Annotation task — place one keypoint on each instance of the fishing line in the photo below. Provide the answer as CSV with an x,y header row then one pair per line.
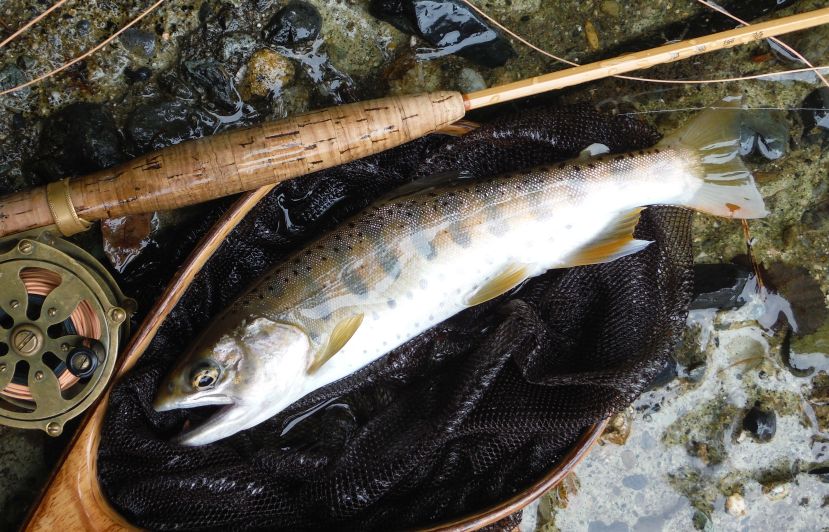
x,y
87,53
84,320
634,78
31,23
774,39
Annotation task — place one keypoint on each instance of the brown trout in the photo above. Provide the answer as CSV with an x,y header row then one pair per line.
x,y
414,259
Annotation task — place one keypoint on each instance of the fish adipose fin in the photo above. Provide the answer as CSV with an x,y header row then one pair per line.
x,y
615,241
712,141
341,334
507,279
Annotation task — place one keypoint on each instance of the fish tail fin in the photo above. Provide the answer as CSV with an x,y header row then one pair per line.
x,y
712,142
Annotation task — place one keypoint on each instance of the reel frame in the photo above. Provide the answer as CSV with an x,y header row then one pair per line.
x,y
35,342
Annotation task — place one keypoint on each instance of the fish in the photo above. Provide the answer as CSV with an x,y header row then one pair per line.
x,y
431,249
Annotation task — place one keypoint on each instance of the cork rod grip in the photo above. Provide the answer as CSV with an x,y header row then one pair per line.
x,y
240,160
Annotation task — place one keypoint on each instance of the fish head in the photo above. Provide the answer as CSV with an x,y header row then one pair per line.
x,y
254,371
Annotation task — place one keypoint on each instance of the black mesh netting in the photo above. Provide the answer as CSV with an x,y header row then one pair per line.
x,y
459,418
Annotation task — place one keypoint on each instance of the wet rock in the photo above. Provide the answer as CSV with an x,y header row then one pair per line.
x,y
83,26
618,428
777,491
816,216
470,80
78,139
26,62
214,83
175,86
664,377
236,48
803,292
12,76
295,24
736,505
155,126
718,286
267,73
137,75
611,8
448,25
760,423
138,42
405,72
764,134
815,114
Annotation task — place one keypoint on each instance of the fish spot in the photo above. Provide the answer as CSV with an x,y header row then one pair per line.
x,y
423,283
296,272
391,303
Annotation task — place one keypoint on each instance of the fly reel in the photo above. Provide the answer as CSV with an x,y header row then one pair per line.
x,y
62,319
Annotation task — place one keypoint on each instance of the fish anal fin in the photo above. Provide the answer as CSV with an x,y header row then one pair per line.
x,y
615,242
341,334
507,279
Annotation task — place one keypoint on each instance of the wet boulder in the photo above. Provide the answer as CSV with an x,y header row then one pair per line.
x,y
718,286
814,113
138,42
760,423
267,73
448,25
295,24
158,125
214,83
78,139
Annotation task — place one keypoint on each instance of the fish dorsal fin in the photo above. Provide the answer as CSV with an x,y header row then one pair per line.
x,y
341,334
615,241
439,179
511,276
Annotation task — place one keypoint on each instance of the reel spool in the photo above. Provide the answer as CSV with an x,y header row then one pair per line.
x,y
62,319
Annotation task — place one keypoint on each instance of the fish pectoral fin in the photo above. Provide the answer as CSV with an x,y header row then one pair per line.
x,y
616,241
341,334
507,279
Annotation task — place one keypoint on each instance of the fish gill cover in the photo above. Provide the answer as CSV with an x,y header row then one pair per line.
x,y
463,416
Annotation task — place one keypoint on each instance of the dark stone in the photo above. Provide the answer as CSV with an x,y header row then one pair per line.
x,y
11,76
664,377
26,62
764,134
172,83
211,79
815,114
449,25
803,293
760,423
137,75
718,286
83,27
816,216
139,42
78,139
295,24
155,126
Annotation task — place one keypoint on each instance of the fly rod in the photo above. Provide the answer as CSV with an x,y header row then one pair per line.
x,y
245,159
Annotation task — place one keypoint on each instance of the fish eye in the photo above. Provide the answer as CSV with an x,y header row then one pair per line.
x,y
204,376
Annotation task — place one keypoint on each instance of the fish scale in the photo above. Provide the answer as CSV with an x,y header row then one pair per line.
x,y
432,249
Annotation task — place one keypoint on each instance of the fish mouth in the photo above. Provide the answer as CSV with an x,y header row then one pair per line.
x,y
164,403
226,422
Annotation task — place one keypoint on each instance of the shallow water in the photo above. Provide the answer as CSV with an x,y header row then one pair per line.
x,y
659,479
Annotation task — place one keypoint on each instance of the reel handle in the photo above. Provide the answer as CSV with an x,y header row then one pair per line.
x,y
231,162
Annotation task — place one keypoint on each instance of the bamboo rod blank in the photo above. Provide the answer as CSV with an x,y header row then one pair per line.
x,y
645,59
